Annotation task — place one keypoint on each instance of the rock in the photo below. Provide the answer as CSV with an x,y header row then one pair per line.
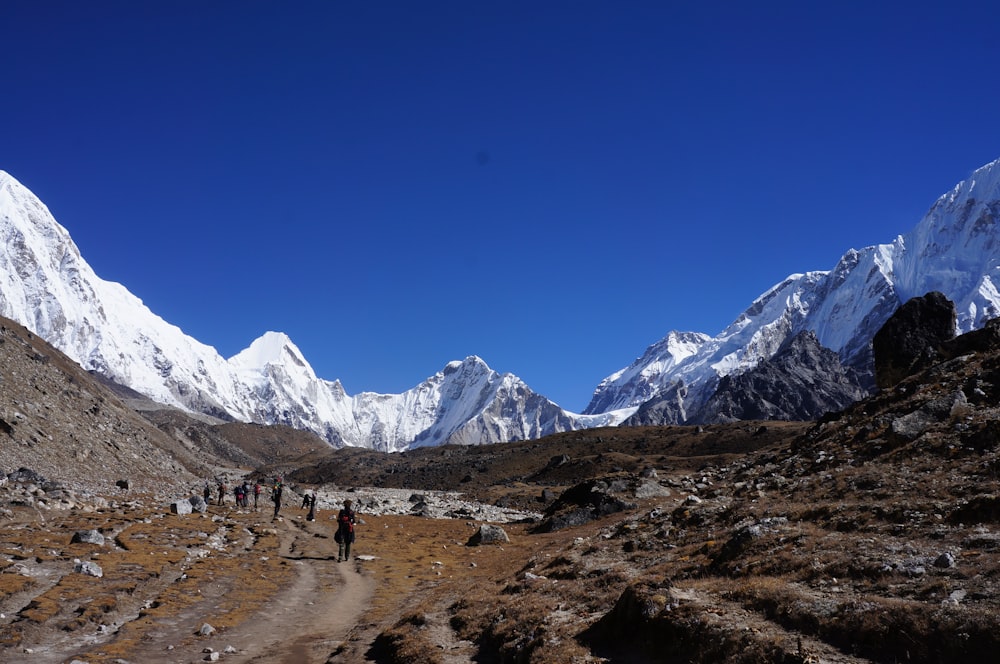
x,y
89,568
802,381
912,338
584,502
556,461
181,507
122,484
88,537
198,504
206,630
945,560
488,534
651,489
27,475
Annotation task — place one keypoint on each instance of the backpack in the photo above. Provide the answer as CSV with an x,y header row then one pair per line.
x,y
346,524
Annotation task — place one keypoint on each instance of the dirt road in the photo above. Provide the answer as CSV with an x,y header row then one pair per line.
x,y
273,590
304,622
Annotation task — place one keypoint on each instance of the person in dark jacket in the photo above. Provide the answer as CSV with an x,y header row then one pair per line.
x,y
345,531
276,497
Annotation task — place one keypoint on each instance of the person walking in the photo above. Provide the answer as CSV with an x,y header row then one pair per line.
x,y
276,497
344,536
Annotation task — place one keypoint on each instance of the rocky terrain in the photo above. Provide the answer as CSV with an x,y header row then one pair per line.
x,y
870,535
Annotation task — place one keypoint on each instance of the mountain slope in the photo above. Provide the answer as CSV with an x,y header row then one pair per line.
x,y
953,250
47,285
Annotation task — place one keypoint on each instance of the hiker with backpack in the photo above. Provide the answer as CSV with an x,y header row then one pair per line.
x,y
276,497
344,536
312,508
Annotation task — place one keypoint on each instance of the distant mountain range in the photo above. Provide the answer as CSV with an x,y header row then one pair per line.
x,y
801,349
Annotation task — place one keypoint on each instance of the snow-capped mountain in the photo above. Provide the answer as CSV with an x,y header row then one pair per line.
x,y
46,285
955,250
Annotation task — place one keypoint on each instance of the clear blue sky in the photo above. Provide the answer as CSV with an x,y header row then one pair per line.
x,y
552,186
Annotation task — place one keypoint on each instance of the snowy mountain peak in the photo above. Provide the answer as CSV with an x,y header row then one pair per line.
x,y
269,348
47,286
983,184
955,250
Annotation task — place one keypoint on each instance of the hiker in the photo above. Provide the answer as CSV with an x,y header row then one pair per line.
x,y
257,488
222,493
344,536
207,493
238,494
276,497
312,508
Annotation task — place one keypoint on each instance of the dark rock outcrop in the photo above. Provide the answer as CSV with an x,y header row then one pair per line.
x,y
911,339
803,381
585,502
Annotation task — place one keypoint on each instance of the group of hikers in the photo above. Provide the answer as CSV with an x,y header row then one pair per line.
x,y
241,492
346,518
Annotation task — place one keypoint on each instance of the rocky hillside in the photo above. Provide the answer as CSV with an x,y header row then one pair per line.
x,y
871,535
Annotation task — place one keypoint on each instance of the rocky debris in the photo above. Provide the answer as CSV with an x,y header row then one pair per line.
x,y
428,504
189,505
69,428
588,501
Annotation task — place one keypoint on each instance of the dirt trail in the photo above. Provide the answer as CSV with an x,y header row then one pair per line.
x,y
302,623
306,623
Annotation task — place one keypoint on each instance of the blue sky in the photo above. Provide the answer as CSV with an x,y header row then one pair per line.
x,y
552,186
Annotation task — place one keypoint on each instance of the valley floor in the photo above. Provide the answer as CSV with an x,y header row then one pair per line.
x,y
271,590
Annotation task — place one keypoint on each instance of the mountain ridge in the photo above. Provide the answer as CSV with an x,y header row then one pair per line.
x,y
110,331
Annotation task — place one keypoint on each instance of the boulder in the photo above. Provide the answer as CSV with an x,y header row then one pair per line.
x,y
198,504
89,568
181,507
88,537
488,534
912,338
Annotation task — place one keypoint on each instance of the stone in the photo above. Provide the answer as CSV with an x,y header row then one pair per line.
x,y
488,534
198,504
88,537
89,568
181,507
912,338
